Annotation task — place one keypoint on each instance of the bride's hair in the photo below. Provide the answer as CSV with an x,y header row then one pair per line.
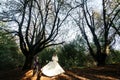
x,y
54,54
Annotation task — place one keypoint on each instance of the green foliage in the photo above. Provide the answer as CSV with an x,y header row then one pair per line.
x,y
70,55
113,57
45,56
10,56
73,54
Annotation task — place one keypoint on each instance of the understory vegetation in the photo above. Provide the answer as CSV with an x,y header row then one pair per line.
x,y
71,55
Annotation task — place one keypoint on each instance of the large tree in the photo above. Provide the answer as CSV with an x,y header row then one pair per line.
x,y
103,27
38,22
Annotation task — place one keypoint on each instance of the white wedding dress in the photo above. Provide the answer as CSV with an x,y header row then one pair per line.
x,y
52,68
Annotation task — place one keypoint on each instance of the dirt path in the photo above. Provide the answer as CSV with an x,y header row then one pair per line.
x,y
109,72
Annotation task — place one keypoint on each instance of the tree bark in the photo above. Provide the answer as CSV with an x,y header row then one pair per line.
x,y
101,59
28,62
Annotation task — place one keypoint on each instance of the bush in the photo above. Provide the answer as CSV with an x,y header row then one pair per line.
x,y
10,56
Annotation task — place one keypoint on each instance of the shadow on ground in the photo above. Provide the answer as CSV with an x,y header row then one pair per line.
x,y
109,72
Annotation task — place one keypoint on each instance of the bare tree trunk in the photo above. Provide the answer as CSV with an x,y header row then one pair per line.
x,y
28,62
101,59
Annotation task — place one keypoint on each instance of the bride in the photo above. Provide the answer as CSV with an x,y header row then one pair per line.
x,y
52,68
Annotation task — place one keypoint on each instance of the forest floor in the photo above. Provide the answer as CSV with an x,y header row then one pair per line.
x,y
108,72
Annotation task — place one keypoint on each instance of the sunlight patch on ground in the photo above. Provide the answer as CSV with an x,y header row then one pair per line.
x,y
29,75
77,76
106,77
